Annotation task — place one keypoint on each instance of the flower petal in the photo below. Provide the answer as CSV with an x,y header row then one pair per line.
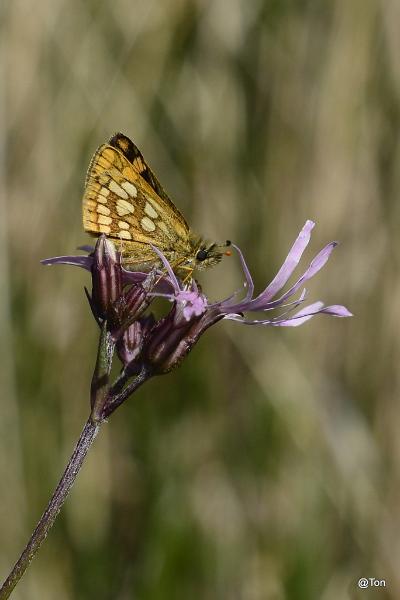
x,y
290,263
79,261
310,311
337,310
262,303
194,304
316,265
86,248
166,264
247,275
303,315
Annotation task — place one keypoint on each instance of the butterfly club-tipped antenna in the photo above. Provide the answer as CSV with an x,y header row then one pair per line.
x,y
226,245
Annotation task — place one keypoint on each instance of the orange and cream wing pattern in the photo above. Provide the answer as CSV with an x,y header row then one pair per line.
x,y
124,200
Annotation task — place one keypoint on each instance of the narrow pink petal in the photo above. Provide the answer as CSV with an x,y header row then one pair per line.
x,y
316,265
86,262
307,310
166,264
86,248
79,261
337,310
290,263
261,302
310,311
272,305
303,315
248,277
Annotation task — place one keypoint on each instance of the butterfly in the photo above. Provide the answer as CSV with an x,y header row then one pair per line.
x,y
124,200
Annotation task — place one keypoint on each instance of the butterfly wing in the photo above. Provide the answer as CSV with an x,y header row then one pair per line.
x,y
124,200
132,153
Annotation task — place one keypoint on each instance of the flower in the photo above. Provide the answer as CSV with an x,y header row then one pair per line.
x,y
265,301
194,302
192,315
160,346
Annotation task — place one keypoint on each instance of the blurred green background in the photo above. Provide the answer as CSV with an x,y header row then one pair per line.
x,y
267,466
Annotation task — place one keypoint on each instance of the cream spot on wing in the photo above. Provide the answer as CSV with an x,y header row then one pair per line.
x,y
117,189
155,204
103,229
130,188
123,225
164,228
149,210
103,220
103,210
124,208
104,192
147,224
180,230
124,235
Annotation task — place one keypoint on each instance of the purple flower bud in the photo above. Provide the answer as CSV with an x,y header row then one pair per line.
x,y
164,339
130,343
179,344
172,338
106,277
129,307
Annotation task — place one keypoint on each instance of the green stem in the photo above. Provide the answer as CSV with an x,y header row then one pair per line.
x,y
101,376
86,439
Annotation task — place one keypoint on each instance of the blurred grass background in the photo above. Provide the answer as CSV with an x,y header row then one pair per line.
x,y
267,466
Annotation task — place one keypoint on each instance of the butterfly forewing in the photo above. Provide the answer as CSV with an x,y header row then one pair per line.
x,y
124,200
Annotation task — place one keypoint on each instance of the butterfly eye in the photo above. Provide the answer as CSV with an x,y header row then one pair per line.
x,y
201,255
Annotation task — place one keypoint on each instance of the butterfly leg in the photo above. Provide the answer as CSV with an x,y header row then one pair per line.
x,y
188,277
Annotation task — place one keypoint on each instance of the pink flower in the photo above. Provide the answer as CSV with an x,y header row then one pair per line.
x,y
120,297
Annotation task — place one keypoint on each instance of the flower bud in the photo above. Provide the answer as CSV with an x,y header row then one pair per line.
x,y
173,337
130,306
106,277
130,343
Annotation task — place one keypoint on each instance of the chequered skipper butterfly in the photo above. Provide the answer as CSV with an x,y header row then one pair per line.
x,y
124,199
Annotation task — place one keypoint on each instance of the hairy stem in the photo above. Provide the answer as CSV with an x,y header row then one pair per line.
x,y
86,439
101,376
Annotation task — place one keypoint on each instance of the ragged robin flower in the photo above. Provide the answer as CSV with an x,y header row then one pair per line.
x,y
159,346
192,314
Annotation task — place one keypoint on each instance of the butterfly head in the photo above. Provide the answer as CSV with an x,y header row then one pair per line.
x,y
207,255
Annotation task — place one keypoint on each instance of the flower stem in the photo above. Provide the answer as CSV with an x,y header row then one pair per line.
x,y
86,439
101,376
118,398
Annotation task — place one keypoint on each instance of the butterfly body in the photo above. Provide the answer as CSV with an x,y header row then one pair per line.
x,y
124,200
